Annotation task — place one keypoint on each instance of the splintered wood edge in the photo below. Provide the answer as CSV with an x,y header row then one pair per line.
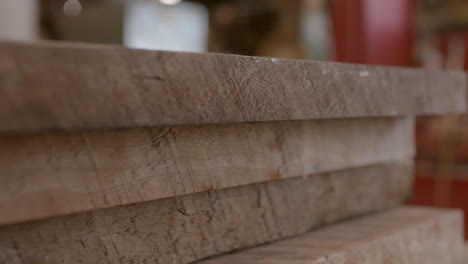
x,y
49,86
57,173
191,227
410,235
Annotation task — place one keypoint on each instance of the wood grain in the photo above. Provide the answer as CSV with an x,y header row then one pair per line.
x,y
51,174
191,227
406,235
49,86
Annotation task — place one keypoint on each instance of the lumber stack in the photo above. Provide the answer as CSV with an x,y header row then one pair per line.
x,y
114,155
405,235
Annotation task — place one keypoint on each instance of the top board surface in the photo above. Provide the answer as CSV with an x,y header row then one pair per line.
x,y
58,86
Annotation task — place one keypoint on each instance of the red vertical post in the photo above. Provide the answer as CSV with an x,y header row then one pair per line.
x,y
374,31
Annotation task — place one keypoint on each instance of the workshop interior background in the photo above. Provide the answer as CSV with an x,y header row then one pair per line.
x,y
426,33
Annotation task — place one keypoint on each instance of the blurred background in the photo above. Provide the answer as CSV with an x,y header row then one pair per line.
x,y
413,33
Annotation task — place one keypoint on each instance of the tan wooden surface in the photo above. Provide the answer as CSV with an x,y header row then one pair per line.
x,y
406,235
49,174
48,85
191,227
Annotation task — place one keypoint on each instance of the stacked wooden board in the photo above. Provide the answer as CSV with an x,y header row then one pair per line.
x,y
404,235
114,155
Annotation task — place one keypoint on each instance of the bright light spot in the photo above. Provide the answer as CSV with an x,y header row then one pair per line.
x,y
170,2
151,25
72,8
363,74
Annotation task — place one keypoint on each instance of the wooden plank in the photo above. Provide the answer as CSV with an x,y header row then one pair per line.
x,y
79,86
406,235
191,227
51,174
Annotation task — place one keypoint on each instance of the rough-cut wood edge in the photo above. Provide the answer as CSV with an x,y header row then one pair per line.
x,y
46,86
51,174
406,235
187,228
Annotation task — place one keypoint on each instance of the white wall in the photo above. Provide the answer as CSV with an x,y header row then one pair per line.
x,y
19,19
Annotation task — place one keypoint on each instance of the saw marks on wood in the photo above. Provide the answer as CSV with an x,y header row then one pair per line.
x,y
191,227
51,174
50,85
406,235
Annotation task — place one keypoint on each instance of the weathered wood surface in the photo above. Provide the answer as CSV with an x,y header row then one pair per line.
x,y
191,227
50,85
406,235
49,174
